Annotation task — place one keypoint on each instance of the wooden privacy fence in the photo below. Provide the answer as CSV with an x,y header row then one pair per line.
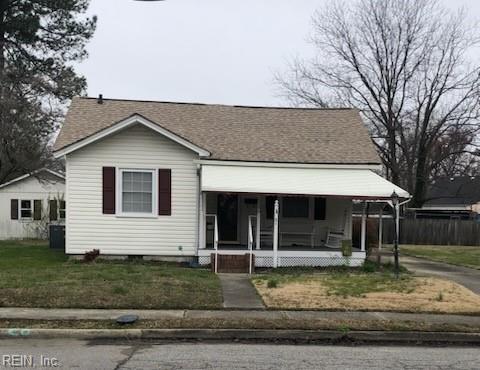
x,y
422,231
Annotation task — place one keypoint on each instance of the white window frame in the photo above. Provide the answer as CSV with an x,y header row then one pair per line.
x,y
119,189
20,210
59,210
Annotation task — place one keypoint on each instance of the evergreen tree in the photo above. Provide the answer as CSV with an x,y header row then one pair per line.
x,y
39,42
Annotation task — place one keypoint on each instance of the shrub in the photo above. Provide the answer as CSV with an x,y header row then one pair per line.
x,y
91,256
272,283
346,248
369,266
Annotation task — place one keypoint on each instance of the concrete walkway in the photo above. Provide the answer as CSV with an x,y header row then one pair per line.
x,y
239,293
469,278
12,313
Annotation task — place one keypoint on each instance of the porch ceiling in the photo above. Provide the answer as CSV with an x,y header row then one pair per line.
x,y
352,183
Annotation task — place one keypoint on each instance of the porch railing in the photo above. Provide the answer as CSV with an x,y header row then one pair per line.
x,y
215,238
250,241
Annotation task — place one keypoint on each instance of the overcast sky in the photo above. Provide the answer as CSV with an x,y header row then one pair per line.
x,y
208,51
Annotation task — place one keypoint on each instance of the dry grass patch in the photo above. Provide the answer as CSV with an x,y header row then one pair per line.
x,y
368,292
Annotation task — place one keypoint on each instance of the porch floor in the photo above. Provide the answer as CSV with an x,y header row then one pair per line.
x,y
282,248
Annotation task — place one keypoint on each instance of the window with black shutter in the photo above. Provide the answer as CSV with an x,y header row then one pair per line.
x,y
108,201
14,209
164,192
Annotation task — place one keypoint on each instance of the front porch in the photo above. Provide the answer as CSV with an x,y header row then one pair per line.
x,y
280,231
286,214
321,257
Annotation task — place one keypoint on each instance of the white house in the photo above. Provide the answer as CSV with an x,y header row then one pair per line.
x,y
179,180
29,203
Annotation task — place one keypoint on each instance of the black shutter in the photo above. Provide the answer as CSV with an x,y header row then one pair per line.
x,y
320,208
53,210
164,192
270,206
37,209
108,205
14,209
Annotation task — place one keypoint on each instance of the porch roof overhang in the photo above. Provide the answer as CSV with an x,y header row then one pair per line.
x,y
336,182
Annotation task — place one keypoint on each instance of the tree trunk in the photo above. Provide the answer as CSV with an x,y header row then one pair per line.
x,y
420,180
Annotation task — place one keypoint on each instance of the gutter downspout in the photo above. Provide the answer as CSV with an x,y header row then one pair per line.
x,y
398,214
199,209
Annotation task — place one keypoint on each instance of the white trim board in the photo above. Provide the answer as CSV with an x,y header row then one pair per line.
x,y
375,167
128,122
20,178
119,196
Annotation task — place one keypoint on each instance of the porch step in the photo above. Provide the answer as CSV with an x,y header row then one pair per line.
x,y
233,263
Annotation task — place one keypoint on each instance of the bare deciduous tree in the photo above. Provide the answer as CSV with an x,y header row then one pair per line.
x,y
404,64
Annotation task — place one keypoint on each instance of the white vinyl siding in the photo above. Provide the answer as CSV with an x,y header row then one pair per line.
x,y
134,148
28,189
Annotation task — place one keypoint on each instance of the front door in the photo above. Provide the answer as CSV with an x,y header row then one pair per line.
x,y
227,211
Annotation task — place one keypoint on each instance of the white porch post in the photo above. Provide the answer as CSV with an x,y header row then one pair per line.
x,y
398,222
380,234
257,237
364,227
380,229
203,221
275,235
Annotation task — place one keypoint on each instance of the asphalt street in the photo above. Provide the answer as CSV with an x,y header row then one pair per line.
x,y
75,354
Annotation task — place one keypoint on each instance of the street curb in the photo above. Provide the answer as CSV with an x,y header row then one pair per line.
x,y
245,334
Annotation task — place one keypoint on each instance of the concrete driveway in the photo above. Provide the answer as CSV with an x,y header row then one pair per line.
x,y
469,278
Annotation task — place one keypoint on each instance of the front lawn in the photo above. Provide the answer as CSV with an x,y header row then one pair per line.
x,y
32,275
375,291
455,255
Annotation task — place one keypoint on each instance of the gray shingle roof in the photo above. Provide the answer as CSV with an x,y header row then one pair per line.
x,y
461,190
297,135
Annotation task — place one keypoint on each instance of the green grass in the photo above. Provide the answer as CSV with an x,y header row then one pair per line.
x,y
343,325
357,285
455,255
32,275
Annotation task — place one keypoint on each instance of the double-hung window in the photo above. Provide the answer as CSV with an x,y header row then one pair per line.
x,y
61,209
137,191
26,209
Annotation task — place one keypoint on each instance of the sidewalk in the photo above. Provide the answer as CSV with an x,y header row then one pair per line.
x,y
239,293
241,325
99,314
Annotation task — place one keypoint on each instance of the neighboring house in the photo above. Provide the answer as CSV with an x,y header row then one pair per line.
x,y
29,203
451,198
175,180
